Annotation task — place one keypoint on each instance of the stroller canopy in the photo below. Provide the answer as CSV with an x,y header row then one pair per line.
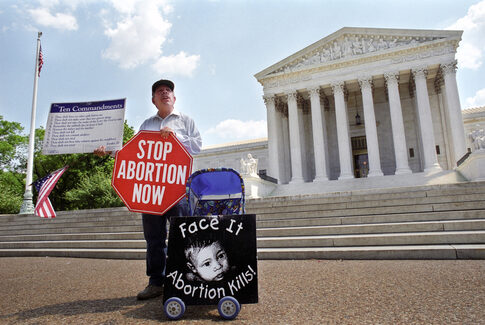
x,y
215,191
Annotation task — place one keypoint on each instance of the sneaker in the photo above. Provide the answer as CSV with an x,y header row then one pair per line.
x,y
151,291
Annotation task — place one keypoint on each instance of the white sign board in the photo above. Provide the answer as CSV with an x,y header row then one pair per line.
x,y
83,127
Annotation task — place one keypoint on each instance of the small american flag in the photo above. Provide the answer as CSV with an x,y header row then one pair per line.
x,y
41,59
44,187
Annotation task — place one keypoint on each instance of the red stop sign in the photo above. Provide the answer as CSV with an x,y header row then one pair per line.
x,y
150,172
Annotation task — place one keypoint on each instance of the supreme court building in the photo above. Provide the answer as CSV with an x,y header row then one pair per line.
x,y
360,103
364,102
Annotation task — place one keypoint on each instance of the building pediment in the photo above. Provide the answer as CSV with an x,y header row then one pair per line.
x,y
350,46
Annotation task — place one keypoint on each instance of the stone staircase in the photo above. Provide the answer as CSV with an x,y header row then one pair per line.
x,y
420,222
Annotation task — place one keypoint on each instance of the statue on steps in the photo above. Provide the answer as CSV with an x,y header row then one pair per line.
x,y
478,139
249,166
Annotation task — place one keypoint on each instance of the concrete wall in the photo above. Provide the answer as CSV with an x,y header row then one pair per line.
x,y
229,155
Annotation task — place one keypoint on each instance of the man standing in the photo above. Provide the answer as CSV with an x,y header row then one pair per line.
x,y
167,120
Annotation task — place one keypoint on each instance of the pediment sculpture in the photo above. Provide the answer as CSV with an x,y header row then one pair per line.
x,y
350,46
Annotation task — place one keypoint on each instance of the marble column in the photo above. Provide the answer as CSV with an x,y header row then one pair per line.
x,y
397,124
370,128
273,138
295,140
425,121
342,120
454,111
285,157
318,128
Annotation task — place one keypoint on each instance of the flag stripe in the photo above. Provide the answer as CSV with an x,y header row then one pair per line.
x,y
44,186
46,210
41,60
49,185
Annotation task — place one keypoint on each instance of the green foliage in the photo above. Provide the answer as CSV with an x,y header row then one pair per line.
x,y
85,185
10,140
128,132
88,177
93,191
12,187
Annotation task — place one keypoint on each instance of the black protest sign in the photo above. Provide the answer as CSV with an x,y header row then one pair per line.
x,y
212,257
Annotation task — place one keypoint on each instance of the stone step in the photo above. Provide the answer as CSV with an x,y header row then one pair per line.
x,y
135,226
131,254
78,224
436,221
392,239
67,244
319,221
442,252
382,218
261,224
372,195
457,206
73,229
398,227
370,204
428,252
424,226
383,239
262,218
76,236
31,220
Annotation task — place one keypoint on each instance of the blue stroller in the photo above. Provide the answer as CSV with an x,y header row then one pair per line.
x,y
215,191
218,230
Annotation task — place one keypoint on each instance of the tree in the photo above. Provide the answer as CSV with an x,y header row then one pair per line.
x,y
11,140
11,180
85,185
93,189
87,182
12,186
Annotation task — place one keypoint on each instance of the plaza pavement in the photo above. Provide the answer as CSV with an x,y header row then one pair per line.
x,y
95,291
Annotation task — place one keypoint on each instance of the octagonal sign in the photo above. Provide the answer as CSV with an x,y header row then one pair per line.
x,y
150,172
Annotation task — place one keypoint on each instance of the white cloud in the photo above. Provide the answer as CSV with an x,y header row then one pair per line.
x,y
477,100
124,6
472,46
239,130
139,36
44,17
180,64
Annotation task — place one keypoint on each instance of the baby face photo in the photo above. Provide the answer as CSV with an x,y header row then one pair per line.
x,y
207,261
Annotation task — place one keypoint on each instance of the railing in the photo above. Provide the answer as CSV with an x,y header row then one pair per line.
x,y
262,175
462,159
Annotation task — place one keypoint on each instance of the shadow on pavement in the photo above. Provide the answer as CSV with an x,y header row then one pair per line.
x,y
143,310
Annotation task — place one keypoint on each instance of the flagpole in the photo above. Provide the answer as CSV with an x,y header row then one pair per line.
x,y
28,205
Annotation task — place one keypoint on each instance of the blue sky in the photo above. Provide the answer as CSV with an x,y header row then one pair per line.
x,y
96,50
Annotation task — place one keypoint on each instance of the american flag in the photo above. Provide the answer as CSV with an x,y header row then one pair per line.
x,y
41,59
44,186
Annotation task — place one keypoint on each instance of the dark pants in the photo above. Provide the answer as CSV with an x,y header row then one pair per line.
x,y
155,232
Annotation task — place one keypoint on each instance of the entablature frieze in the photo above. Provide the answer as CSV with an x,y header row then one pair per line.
x,y
352,45
395,57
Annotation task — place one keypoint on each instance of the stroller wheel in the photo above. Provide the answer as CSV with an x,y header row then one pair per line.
x,y
174,308
228,307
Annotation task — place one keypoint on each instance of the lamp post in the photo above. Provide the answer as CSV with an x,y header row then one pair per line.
x,y
357,119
